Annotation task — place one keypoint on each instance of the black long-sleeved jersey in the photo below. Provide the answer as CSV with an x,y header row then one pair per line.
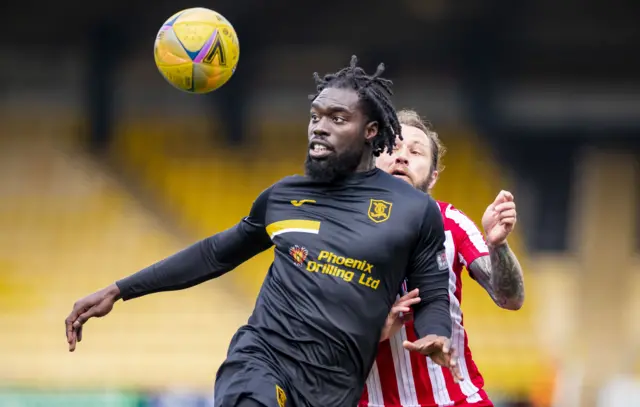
x,y
342,251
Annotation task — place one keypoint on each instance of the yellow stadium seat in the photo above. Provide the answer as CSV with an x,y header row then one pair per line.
x,y
68,230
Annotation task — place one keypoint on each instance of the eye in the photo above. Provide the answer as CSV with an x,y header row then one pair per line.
x,y
416,152
338,119
314,117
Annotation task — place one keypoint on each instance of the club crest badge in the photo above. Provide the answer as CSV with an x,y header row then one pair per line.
x,y
379,210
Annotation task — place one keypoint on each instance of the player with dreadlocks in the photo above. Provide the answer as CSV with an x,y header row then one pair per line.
x,y
375,92
346,236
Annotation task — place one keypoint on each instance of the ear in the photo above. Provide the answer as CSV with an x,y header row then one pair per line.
x,y
434,179
370,130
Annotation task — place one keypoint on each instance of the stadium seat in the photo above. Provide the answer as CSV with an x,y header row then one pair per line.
x,y
68,229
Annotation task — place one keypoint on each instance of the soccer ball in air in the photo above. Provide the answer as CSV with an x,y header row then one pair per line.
x,y
197,50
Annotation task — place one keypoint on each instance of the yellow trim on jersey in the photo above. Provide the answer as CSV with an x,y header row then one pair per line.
x,y
292,225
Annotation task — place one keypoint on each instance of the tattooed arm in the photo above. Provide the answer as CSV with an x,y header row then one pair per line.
x,y
489,260
501,275
500,272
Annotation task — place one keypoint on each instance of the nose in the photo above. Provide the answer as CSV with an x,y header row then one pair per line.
x,y
319,131
319,127
401,156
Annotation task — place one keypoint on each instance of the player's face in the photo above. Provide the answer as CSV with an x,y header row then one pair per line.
x,y
411,159
338,134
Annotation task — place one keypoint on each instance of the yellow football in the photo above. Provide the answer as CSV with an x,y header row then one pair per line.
x,y
197,50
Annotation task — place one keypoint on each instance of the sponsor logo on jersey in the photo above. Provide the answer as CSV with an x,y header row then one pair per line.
x,y
379,210
299,254
346,268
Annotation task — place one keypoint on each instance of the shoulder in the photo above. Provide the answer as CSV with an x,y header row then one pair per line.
x,y
443,206
415,202
278,187
412,198
402,190
452,215
395,184
291,180
411,206
286,184
432,212
457,221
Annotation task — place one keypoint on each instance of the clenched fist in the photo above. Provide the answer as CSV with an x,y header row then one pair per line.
x,y
499,219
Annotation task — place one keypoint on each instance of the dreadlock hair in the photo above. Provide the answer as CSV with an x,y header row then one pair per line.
x,y
375,93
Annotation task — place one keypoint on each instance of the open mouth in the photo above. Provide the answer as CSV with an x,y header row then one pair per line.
x,y
319,149
400,173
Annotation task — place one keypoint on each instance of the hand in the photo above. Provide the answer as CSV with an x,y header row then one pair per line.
x,y
438,348
96,305
394,320
499,219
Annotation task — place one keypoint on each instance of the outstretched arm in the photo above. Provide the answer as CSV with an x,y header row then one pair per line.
x,y
203,261
207,259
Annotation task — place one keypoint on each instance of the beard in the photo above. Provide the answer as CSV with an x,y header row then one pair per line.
x,y
335,167
423,185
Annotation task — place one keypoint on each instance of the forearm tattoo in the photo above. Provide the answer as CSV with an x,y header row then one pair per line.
x,y
506,277
501,275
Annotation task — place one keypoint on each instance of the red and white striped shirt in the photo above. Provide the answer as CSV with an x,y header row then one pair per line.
x,y
400,378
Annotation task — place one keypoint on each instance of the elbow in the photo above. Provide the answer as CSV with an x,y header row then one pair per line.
x,y
442,298
511,304
509,296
